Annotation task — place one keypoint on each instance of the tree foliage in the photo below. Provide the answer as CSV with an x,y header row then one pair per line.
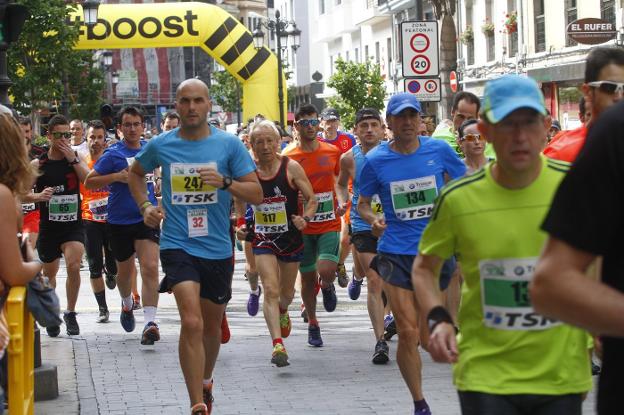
x,y
359,85
225,91
45,67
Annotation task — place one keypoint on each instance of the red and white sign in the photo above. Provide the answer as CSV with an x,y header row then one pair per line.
x,y
419,42
425,89
453,81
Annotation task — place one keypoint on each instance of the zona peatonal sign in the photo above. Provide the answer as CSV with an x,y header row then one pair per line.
x,y
591,31
419,42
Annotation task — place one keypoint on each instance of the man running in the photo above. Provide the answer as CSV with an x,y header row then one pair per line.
x,y
276,228
509,359
171,120
60,229
321,163
407,174
78,142
94,214
130,237
369,129
202,168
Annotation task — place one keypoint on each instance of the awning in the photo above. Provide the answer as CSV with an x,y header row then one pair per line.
x,y
568,72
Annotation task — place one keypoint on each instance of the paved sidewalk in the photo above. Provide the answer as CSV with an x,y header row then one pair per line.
x,y
107,371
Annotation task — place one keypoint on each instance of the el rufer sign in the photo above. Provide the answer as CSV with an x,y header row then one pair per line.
x,y
591,31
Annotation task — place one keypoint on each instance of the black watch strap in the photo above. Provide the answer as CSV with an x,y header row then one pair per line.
x,y
227,182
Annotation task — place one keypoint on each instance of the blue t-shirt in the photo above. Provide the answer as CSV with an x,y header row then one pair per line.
x,y
197,216
122,209
357,223
408,185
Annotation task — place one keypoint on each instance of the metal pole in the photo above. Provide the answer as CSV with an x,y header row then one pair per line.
x,y
280,87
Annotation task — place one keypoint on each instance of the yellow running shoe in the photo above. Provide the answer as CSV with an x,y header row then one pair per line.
x,y
279,357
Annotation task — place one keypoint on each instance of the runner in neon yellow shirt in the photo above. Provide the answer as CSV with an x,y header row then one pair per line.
x,y
509,359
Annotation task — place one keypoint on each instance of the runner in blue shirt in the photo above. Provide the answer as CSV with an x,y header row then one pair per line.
x,y
407,174
129,235
202,168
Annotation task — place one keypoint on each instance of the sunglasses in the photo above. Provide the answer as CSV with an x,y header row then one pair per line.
x,y
308,123
58,135
472,137
608,87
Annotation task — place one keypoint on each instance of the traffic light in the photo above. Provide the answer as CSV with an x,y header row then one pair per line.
x,y
12,18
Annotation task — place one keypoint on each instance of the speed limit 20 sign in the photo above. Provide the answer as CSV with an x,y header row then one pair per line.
x,y
419,42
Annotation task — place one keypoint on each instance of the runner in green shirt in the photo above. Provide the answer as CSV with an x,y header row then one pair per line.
x,y
508,359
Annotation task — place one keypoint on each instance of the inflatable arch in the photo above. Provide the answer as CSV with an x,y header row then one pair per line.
x,y
161,25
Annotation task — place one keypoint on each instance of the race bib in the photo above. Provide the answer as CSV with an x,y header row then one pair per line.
x,y
197,222
98,209
270,218
28,207
376,205
413,199
63,208
325,211
505,295
187,187
149,177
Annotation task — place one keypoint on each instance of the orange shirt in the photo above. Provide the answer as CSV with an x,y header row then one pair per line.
x,y
321,166
566,146
94,202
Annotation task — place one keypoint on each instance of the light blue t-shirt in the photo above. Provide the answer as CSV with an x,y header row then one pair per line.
x,y
357,223
407,185
121,207
197,217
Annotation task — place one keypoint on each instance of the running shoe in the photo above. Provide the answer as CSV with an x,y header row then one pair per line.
x,y
304,313
595,369
285,324
200,409
111,281
103,316
69,317
208,398
127,319
225,330
253,303
314,336
279,357
355,288
381,353
390,327
341,274
329,298
136,298
151,334
53,331
423,411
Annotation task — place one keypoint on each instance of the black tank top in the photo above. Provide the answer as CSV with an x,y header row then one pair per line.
x,y
271,221
62,211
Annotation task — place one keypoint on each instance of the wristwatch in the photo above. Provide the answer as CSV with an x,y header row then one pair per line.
x,y
307,218
227,182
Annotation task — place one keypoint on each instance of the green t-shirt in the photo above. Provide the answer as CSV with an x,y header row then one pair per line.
x,y
504,346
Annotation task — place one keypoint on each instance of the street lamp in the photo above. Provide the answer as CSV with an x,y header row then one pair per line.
x,y
115,78
107,58
619,40
90,12
284,32
11,23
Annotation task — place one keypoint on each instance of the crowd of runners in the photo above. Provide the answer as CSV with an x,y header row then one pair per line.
x,y
446,233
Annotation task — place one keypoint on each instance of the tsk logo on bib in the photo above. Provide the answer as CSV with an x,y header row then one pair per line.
x,y
63,208
505,295
187,187
98,209
325,210
413,199
270,216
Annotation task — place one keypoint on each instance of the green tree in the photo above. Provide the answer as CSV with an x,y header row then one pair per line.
x,y
226,91
45,67
358,85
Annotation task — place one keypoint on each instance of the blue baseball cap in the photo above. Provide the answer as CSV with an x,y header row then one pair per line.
x,y
508,93
399,102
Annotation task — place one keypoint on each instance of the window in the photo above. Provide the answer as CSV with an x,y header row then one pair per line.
x,y
366,56
512,38
491,44
540,27
347,56
331,65
607,10
470,44
321,6
357,55
389,53
470,52
571,15
377,56
338,2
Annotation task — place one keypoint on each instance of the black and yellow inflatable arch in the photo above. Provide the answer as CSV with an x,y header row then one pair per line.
x,y
161,25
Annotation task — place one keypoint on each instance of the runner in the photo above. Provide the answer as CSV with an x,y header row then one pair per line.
x,y
170,120
202,168
78,142
321,163
94,216
579,233
60,229
369,129
472,145
509,359
330,122
276,229
407,174
129,236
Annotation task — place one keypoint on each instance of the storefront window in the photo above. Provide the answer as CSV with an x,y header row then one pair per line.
x,y
569,107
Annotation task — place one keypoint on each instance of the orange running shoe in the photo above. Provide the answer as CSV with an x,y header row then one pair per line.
x,y
225,330
285,324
